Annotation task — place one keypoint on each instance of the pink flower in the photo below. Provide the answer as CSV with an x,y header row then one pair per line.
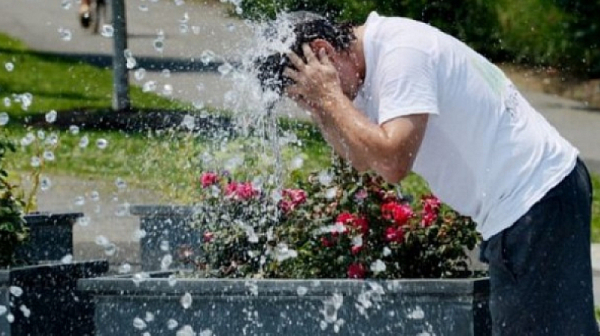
x,y
291,199
356,249
355,221
356,271
327,242
361,195
399,213
394,234
208,178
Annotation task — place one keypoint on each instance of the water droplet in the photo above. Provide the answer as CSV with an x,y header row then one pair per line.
x,y
149,317
139,324
416,314
185,18
198,104
207,56
51,116
79,200
130,63
107,30
386,251
159,44
239,10
143,8
231,27
167,89
84,141
122,210
95,196
378,266
186,331
9,66
206,332
172,280
325,178
166,262
7,101
3,310
110,249
139,234
10,318
66,4
4,118
45,183
171,324
101,143
184,28
301,290
196,30
331,193
65,34
48,156
26,312
67,259
41,135
84,221
101,241
28,139
166,73
120,183
179,2
283,252
35,162
139,74
74,129
149,86
164,245
16,291
124,268
140,277
188,122
186,301
225,69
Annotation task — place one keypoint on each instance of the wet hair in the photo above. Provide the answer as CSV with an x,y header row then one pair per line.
x,y
307,27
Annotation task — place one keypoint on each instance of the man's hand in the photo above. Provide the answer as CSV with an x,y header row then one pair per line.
x,y
316,82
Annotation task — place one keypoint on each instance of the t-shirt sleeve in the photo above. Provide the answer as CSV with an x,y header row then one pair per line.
x,y
408,84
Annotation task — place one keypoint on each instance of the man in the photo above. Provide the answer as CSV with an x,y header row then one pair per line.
x,y
395,95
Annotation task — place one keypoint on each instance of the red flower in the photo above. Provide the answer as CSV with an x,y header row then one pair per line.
x,y
208,237
291,199
400,213
394,234
327,242
428,218
207,179
430,203
356,249
359,222
242,191
356,271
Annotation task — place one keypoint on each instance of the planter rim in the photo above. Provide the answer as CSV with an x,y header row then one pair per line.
x,y
52,218
162,210
7,273
159,284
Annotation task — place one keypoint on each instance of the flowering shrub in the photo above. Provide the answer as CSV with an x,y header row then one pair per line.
x,y
337,224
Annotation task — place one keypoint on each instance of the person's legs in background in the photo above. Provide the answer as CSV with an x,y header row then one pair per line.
x,y
84,13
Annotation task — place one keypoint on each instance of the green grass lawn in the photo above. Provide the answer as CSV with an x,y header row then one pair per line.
x,y
165,162
61,84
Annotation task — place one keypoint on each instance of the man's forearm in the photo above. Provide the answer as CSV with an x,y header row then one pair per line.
x,y
333,137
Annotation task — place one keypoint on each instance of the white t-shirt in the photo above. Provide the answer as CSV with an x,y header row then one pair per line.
x,y
486,152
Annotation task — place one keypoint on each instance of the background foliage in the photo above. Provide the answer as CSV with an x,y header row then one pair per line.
x,y
560,33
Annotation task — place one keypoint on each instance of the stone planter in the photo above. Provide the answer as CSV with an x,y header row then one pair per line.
x,y
43,299
50,237
232,307
166,229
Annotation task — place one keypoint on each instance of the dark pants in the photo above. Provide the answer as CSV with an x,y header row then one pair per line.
x,y
540,268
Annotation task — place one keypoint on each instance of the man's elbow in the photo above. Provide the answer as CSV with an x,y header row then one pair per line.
x,y
394,174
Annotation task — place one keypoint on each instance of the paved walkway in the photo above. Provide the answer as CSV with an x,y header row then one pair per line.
x,y
209,27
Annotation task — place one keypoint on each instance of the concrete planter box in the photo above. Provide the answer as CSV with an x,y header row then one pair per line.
x,y
50,237
49,303
164,223
231,307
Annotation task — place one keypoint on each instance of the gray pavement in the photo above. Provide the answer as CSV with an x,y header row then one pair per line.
x,y
38,22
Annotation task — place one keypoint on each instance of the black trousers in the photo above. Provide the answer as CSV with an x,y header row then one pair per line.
x,y
540,267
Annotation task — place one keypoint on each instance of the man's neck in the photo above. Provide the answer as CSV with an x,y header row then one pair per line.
x,y
357,48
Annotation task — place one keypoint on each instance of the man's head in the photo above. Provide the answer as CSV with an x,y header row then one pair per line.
x,y
319,33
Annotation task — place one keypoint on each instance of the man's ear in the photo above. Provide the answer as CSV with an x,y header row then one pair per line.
x,y
319,44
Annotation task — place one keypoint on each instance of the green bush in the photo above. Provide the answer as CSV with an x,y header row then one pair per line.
x,y
13,230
